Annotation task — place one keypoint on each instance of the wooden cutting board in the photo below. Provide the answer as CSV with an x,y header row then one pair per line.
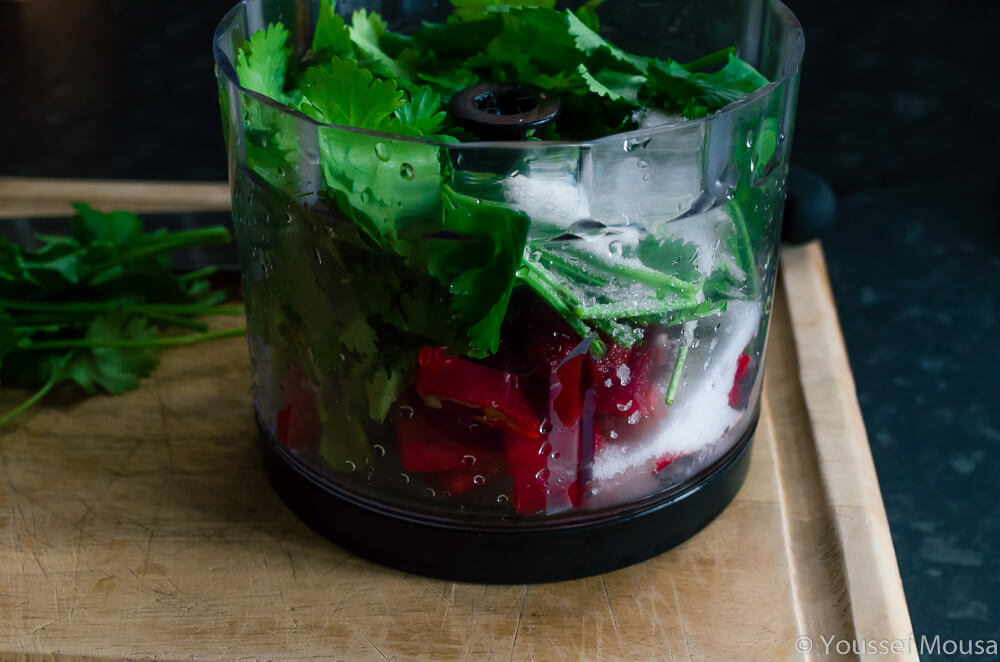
x,y
143,527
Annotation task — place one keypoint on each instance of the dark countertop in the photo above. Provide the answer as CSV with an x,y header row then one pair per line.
x,y
898,110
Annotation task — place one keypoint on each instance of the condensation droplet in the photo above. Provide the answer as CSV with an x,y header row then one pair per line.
x,y
535,256
545,449
382,151
615,247
546,426
624,406
379,450
613,434
555,456
634,417
469,460
750,138
478,479
407,172
406,411
404,479
543,474
430,492
503,498
350,465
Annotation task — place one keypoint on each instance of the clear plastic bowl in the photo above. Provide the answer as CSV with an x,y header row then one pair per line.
x,y
563,424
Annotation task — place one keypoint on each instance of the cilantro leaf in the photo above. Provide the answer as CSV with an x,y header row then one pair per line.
x,y
479,266
117,370
367,30
695,94
261,62
345,94
90,225
331,31
670,256
422,112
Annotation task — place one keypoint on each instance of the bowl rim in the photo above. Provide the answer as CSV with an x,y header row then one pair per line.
x,y
791,65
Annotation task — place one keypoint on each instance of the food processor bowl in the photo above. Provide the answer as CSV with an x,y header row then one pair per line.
x,y
601,408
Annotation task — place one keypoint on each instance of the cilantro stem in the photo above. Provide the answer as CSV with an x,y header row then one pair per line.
x,y
142,308
562,265
196,275
132,344
627,310
655,279
559,298
178,321
39,394
675,378
170,243
746,250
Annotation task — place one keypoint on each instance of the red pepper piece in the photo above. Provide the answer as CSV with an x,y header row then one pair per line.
x,y
549,474
665,462
438,441
491,395
625,387
739,394
298,423
528,469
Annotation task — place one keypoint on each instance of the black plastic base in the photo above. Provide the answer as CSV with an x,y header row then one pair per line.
x,y
511,554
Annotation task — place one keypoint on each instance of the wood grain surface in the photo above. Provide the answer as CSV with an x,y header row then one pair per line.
x,y
22,197
142,527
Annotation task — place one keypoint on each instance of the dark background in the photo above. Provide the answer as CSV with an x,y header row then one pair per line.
x,y
899,111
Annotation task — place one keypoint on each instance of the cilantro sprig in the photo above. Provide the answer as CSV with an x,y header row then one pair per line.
x,y
89,307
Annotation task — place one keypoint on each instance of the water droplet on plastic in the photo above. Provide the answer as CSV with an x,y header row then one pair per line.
x,y
319,257
555,456
750,138
624,406
407,172
608,383
613,434
633,144
430,492
379,450
469,460
634,417
406,411
404,479
535,256
366,197
503,498
350,465
382,152
642,164
545,449
478,479
546,426
289,217
615,247
543,474
624,374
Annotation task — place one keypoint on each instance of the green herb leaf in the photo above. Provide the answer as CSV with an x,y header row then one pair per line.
x,y
262,61
331,31
345,94
422,113
90,225
673,86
